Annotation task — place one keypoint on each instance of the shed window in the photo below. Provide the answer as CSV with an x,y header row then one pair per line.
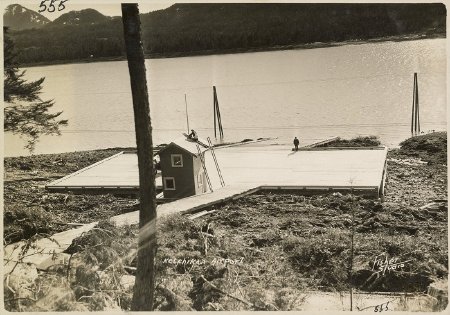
x,y
169,183
177,160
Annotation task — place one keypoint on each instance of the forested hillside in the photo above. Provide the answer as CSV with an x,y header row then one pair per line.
x,y
70,42
185,29
190,27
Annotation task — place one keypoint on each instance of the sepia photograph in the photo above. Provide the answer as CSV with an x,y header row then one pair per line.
x,y
245,156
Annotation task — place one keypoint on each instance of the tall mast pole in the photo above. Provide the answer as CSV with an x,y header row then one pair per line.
x,y
187,116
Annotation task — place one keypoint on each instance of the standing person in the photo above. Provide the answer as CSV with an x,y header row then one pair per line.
x,y
193,135
296,143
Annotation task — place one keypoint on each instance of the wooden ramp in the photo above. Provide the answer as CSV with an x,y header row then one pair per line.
x,y
45,248
189,204
42,249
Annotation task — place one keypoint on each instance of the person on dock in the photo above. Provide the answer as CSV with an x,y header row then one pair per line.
x,y
193,135
296,143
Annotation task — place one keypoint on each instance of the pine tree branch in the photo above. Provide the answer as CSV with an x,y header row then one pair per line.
x,y
25,113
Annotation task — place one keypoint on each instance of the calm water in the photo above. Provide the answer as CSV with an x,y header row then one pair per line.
x,y
313,94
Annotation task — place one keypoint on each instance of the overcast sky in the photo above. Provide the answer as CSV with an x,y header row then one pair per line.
x,y
109,8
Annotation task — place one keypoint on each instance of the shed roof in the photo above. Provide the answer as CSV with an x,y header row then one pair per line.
x,y
186,145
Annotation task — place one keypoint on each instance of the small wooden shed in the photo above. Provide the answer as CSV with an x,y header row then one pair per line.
x,y
182,170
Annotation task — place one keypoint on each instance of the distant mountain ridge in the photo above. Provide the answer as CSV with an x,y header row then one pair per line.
x,y
206,28
17,17
86,16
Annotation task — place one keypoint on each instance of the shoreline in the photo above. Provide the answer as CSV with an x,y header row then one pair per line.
x,y
128,148
211,52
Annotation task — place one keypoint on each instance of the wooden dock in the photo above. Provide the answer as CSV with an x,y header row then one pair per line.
x,y
116,174
248,169
251,166
320,169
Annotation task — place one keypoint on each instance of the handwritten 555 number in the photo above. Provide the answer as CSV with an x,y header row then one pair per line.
x,y
381,307
51,5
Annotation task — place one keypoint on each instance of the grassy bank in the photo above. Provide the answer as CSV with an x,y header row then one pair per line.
x,y
260,252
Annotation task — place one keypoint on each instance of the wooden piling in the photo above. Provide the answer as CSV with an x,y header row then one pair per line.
x,y
415,116
217,115
413,109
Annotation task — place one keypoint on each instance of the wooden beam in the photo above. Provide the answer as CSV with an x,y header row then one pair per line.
x,y
417,105
214,110
413,109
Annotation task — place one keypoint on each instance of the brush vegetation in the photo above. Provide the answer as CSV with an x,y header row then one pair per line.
x,y
360,141
431,147
265,251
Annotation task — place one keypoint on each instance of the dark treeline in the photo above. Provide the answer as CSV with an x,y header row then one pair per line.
x,y
69,42
185,29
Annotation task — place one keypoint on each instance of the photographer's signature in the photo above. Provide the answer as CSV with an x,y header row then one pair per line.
x,y
393,264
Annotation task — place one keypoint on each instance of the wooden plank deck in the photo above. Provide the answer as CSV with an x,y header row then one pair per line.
x,y
249,169
118,172
278,166
252,165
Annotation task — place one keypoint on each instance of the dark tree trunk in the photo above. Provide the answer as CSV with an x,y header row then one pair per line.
x,y
145,278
